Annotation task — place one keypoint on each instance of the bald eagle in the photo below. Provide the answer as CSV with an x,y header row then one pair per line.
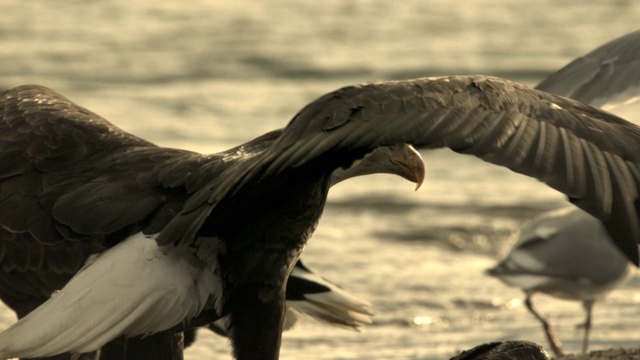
x,y
33,269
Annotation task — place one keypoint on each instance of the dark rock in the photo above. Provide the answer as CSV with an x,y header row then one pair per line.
x,y
505,350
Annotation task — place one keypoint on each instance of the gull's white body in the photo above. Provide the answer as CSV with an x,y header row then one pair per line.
x,y
568,254
133,289
565,253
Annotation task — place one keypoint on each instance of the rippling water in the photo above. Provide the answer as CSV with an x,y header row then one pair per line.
x,y
207,75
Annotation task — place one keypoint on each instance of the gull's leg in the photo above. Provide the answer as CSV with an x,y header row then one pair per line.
x,y
555,344
588,308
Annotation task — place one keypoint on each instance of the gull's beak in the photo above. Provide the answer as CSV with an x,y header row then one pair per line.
x,y
401,159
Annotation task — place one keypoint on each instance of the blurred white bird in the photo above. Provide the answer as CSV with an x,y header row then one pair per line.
x,y
564,253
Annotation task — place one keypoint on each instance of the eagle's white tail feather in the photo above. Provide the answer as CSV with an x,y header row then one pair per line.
x,y
335,310
132,289
337,306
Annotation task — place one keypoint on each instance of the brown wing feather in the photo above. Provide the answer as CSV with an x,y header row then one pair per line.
x,y
67,173
31,270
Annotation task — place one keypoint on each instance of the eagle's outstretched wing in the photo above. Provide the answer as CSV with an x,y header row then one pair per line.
x,y
588,154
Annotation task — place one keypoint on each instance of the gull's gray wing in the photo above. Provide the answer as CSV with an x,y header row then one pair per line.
x,y
602,75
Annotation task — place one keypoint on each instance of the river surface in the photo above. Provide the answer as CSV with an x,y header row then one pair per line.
x,y
207,75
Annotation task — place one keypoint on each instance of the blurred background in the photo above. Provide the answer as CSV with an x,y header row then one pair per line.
x,y
207,75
